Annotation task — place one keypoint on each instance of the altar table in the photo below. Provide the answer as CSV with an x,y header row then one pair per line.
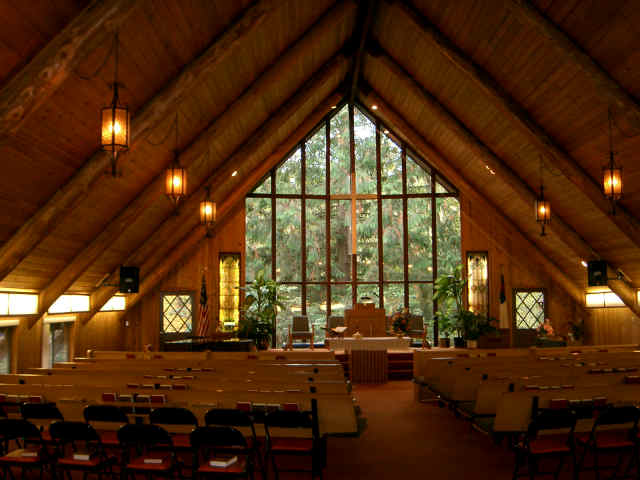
x,y
369,343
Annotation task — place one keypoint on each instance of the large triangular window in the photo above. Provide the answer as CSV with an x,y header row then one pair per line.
x,y
352,214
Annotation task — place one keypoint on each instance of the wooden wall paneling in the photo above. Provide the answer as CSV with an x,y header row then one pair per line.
x,y
554,156
37,227
612,326
29,344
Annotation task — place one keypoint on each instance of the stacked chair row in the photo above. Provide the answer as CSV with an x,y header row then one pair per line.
x,y
172,444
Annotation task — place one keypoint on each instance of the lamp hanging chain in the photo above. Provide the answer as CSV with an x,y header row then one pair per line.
x,y
610,137
97,71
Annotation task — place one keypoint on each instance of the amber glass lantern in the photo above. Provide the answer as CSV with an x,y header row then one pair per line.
x,y
612,181
115,126
176,181
208,212
543,211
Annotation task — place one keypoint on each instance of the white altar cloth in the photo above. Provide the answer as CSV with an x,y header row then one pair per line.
x,y
369,343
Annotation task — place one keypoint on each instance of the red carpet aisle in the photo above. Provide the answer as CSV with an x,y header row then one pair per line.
x,y
406,439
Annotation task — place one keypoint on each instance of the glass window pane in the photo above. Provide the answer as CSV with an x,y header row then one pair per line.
x,y
59,342
340,299
258,237
419,254
365,150
291,299
177,313
5,350
418,179
316,167
392,246
421,303
529,309
317,310
229,291
288,240
22,303
316,240
340,240
368,291
367,238
264,187
440,188
393,297
288,175
115,303
4,304
448,231
340,162
390,165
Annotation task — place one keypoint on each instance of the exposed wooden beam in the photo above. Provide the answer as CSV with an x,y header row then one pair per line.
x,y
267,81
42,222
44,74
532,255
553,155
607,87
626,293
361,29
559,227
146,254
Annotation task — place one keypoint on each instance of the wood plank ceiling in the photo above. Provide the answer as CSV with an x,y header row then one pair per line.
x,y
497,83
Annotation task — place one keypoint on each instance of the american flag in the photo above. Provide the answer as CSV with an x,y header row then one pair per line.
x,y
203,322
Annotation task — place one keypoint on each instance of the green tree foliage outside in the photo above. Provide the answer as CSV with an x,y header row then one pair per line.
x,y
328,281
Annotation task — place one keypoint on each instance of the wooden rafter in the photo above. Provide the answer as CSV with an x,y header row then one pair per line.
x,y
560,228
554,155
606,86
361,29
268,80
48,70
42,222
533,255
148,253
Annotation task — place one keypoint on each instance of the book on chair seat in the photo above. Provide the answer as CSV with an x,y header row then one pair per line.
x,y
23,452
153,460
223,461
83,456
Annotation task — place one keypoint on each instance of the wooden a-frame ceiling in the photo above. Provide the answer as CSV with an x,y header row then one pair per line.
x,y
474,86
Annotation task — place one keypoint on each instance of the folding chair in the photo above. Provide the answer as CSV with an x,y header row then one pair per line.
x,y
100,416
277,444
42,415
614,429
147,450
550,434
78,448
211,443
30,452
174,416
229,417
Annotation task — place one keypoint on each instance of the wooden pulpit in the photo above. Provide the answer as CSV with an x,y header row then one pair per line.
x,y
366,319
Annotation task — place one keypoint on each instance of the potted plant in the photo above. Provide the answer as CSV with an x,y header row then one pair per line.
x,y
444,329
576,332
448,290
261,304
400,322
477,325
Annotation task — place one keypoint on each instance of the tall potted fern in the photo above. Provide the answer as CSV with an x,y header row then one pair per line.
x,y
448,291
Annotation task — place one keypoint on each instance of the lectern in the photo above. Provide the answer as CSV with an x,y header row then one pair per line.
x,y
366,319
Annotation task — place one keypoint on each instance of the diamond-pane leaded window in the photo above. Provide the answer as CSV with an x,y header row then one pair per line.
x,y
177,313
529,309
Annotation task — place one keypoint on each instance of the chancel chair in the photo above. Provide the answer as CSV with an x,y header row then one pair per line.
x,y
416,327
550,434
334,321
615,430
147,450
42,415
301,331
106,419
31,452
210,443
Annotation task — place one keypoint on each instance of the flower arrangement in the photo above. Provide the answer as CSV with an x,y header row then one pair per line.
x,y
546,329
400,321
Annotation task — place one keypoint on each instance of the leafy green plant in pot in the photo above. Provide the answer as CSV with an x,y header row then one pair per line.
x,y
261,304
477,325
448,290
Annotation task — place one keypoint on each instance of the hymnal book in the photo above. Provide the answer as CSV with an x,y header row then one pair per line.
x,y
153,460
23,452
222,462
82,456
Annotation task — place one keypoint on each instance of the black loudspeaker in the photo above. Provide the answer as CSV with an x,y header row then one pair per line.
x,y
129,279
597,273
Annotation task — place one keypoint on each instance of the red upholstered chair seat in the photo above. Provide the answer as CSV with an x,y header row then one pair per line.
x,y
138,464
292,444
181,440
70,461
19,459
608,439
238,467
546,444
109,437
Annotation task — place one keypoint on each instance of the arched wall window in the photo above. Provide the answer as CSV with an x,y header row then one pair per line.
x,y
352,213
